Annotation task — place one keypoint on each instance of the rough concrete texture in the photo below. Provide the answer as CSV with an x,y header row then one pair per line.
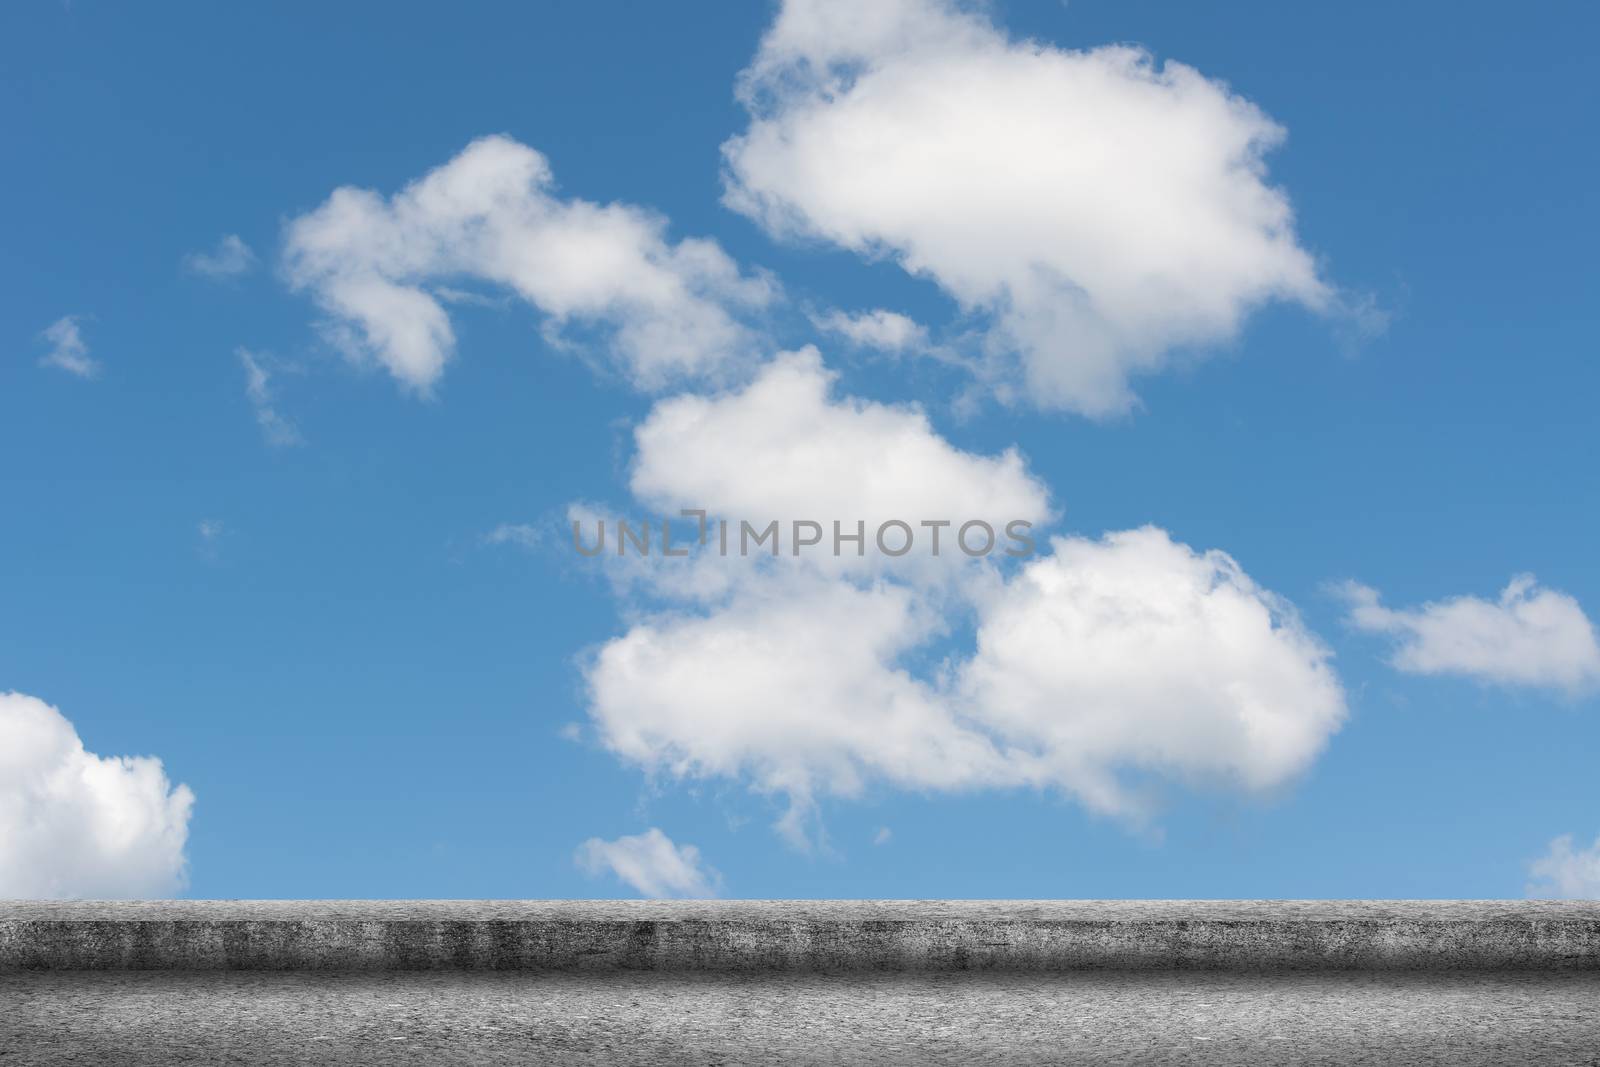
x,y
798,937
443,1018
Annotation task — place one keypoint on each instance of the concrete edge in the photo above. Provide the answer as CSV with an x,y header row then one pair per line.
x,y
802,936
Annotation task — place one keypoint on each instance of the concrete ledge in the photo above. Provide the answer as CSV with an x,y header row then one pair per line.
x,y
803,936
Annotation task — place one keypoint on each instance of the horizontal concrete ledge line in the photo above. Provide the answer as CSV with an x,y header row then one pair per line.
x,y
747,936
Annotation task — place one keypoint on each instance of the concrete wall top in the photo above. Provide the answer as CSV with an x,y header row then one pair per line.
x,y
801,936
1098,911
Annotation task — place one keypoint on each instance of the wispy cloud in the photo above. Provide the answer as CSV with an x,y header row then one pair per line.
x,y
651,864
210,531
519,534
68,350
1566,873
231,258
1530,636
275,428
887,331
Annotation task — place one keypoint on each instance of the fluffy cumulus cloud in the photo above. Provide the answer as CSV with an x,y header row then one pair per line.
x,y
1102,210
651,864
382,267
1530,636
795,687
68,350
1567,873
1138,653
74,824
784,447
1097,665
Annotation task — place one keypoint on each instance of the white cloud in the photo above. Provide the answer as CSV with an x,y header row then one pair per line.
x,y
1530,636
1101,210
258,388
1096,667
231,258
651,864
1566,873
520,534
886,330
74,824
784,448
883,836
380,268
68,350
1136,653
795,686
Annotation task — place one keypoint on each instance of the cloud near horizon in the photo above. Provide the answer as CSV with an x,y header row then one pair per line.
x,y
1566,873
650,864
1098,665
77,825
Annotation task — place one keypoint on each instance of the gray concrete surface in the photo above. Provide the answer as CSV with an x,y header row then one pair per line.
x,y
443,1018
765,937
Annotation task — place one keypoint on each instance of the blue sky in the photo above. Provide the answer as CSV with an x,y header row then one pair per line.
x,y
370,698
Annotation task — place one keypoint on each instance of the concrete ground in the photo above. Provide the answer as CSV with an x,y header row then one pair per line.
x,y
445,1018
